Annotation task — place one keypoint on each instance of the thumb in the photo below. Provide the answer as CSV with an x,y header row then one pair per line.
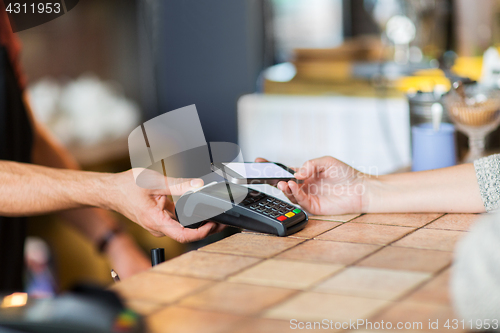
x,y
315,167
307,170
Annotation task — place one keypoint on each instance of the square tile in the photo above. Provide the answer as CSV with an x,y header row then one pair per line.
x,y
408,259
338,218
286,273
237,298
252,245
460,222
431,239
365,233
181,320
314,228
329,252
205,265
403,220
435,291
159,288
372,282
316,306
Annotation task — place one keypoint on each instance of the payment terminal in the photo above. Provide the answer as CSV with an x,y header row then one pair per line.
x,y
241,207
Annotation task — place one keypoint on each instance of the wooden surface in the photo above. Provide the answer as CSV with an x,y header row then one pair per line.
x,y
390,267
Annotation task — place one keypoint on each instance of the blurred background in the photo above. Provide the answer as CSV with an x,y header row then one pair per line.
x,y
288,80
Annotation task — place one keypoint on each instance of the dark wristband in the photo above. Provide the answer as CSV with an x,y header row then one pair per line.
x,y
108,236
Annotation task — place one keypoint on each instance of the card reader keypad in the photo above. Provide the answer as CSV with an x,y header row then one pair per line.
x,y
271,207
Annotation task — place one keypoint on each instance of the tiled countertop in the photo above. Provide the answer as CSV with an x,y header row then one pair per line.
x,y
374,267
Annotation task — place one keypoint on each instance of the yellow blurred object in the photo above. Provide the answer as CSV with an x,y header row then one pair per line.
x,y
470,67
425,80
14,300
430,72
424,83
324,70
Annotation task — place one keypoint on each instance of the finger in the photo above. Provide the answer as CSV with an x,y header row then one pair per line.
x,y
215,227
155,233
303,172
219,228
283,186
314,167
307,170
191,235
178,232
299,195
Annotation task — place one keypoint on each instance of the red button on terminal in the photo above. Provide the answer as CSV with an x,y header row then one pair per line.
x,y
281,218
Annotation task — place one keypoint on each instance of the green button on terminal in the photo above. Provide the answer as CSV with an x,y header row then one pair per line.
x,y
296,211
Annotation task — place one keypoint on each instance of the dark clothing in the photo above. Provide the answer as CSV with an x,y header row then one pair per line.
x,y
16,140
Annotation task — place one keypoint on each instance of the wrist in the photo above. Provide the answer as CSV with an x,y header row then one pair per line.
x,y
384,195
86,189
102,189
370,183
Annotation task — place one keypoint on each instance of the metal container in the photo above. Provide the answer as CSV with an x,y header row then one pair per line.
x,y
420,108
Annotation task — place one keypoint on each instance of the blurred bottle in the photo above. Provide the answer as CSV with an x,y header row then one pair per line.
x,y
40,281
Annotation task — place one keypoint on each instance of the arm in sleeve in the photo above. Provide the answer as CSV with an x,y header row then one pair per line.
x,y
488,177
